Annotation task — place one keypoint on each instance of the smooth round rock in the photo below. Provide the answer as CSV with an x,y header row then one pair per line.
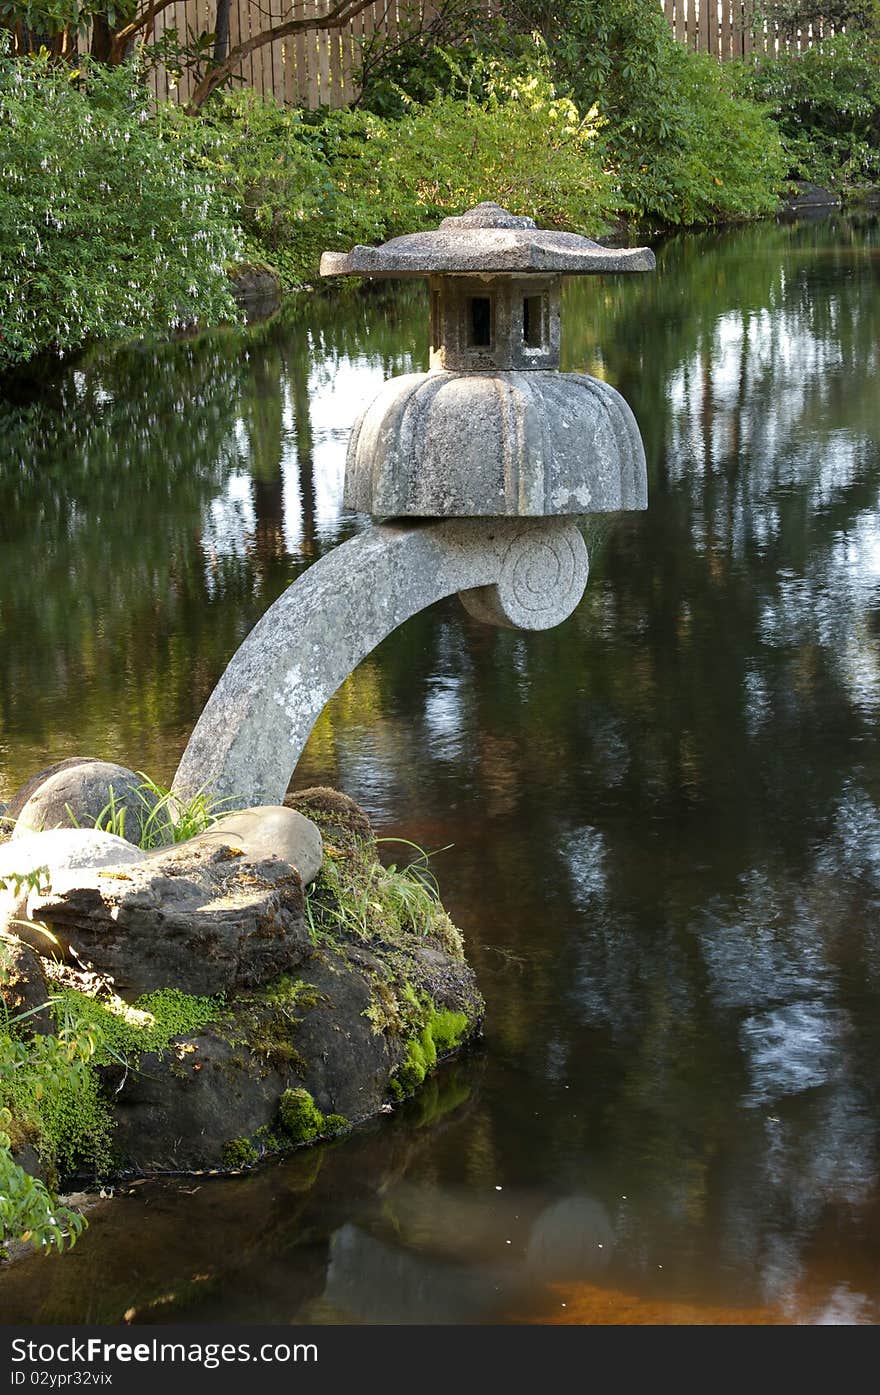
x,y
33,782
62,848
79,794
270,830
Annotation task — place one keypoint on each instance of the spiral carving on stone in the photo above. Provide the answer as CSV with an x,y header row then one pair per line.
x,y
542,578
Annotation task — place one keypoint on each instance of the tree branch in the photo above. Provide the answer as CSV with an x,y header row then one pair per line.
x,y
335,18
123,37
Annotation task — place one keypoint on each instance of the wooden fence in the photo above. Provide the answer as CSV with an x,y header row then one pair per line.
x,y
320,69
724,28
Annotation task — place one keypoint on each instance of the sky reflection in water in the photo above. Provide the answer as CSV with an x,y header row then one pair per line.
x,y
665,815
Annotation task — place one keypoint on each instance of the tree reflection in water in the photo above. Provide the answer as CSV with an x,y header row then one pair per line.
x,y
665,814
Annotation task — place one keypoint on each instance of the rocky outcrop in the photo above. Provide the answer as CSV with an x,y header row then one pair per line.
x,y
257,289
310,1017
806,197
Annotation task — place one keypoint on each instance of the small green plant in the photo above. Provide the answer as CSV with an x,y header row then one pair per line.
x,y
52,1095
35,880
166,817
28,1210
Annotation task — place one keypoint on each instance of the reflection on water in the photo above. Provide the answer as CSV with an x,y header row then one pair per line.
x,y
665,815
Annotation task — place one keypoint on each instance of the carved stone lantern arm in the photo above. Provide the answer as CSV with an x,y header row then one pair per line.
x,y
526,574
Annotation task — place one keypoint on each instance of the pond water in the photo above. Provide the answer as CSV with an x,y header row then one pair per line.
x,y
660,822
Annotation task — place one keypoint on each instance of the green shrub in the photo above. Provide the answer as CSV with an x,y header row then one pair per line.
x,y
304,184
695,153
685,147
49,1099
273,164
518,142
826,104
106,231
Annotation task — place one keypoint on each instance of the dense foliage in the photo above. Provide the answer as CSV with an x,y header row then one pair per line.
x,y
115,221
682,146
106,231
303,185
48,1095
792,17
826,105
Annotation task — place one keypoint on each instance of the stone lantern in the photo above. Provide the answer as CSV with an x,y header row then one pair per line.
x,y
474,472
494,428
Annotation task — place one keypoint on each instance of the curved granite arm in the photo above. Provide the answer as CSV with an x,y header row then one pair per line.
x,y
524,574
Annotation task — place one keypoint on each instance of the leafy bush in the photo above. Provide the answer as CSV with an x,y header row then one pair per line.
x,y
273,164
411,63
105,231
693,152
686,148
28,1211
826,104
789,17
304,184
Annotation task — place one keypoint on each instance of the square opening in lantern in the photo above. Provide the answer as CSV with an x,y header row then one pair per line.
x,y
480,336
533,321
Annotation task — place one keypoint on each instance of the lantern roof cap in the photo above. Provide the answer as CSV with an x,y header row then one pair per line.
x,y
486,239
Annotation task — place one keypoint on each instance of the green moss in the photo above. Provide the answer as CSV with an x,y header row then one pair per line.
x,y
291,992
343,824
240,1152
127,1030
441,1033
265,1021
300,1117
447,1029
302,1121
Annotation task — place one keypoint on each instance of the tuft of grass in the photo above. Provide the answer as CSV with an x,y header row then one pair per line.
x,y
166,818
355,895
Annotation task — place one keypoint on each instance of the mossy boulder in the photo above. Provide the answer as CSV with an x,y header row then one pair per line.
x,y
376,995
